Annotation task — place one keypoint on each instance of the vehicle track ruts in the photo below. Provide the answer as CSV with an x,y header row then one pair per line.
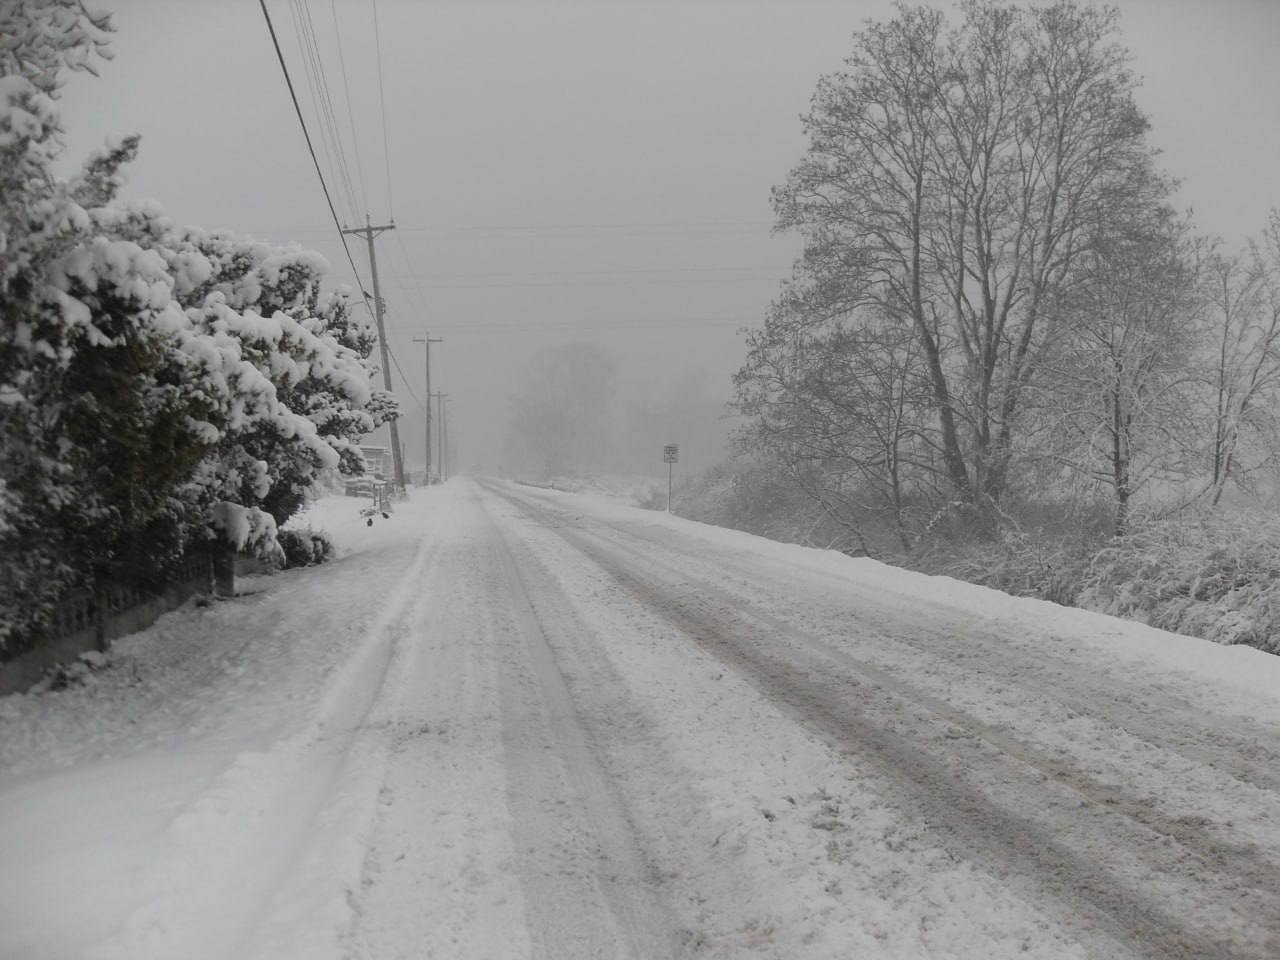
x,y
971,782
590,889
1235,746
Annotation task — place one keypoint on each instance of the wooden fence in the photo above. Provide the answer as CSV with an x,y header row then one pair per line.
x,y
90,620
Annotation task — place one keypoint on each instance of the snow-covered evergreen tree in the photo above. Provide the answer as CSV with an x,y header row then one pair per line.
x,y
160,388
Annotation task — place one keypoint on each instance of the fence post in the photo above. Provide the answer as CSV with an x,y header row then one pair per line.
x,y
100,614
224,571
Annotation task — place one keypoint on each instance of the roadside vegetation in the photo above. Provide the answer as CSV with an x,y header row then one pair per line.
x,y
1206,571
1004,354
163,389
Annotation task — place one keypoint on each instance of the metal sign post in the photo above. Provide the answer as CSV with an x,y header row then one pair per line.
x,y
671,454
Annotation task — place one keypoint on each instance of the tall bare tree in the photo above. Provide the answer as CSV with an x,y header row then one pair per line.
x,y
954,177
843,409
1122,387
1243,375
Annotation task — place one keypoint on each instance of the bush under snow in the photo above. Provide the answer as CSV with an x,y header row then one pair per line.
x,y
305,547
161,389
1215,577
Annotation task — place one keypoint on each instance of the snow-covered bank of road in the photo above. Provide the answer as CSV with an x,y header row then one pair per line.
x,y
158,810
512,723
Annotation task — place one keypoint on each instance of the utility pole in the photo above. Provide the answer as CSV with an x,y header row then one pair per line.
x,y
440,397
428,340
369,231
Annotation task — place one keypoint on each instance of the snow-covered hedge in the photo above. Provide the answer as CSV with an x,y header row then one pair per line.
x,y
161,389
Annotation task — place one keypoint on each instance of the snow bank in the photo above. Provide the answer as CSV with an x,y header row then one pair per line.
x,y
206,747
1242,667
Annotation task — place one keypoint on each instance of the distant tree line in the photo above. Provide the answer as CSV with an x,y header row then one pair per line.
x,y
997,301
161,389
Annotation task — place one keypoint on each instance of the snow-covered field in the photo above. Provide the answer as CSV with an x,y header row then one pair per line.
x,y
510,722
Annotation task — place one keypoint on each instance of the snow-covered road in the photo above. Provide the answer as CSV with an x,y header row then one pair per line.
x,y
516,723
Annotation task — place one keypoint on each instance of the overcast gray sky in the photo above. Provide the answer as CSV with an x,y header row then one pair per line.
x,y
583,171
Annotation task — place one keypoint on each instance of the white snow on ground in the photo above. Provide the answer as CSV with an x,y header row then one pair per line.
x,y
510,722
140,814
1241,667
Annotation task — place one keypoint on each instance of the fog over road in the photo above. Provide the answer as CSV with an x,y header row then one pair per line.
x,y
521,723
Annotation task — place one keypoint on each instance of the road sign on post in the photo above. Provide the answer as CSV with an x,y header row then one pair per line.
x,y
671,454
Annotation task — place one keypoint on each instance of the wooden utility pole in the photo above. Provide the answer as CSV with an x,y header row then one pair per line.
x,y
444,429
440,397
369,231
428,340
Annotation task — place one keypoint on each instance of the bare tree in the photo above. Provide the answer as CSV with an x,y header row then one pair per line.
x,y
952,182
842,408
1243,364
1123,384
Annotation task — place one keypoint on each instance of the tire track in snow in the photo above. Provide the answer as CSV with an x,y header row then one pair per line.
x,y
1189,832
1238,747
252,843
963,806
1069,867
437,879
590,891
1135,731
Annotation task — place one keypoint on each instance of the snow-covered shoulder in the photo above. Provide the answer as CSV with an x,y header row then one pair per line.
x,y
1108,638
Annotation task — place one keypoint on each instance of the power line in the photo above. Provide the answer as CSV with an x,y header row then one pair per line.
x,y
346,89
482,324
647,225
622,230
403,379
485,327
395,363
605,282
328,102
382,100
297,109
275,41
309,45
308,71
620,272
417,290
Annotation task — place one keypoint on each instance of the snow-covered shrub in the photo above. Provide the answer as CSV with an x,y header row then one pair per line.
x,y
651,497
1215,576
305,548
1029,547
74,674
160,388
748,494
1024,564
